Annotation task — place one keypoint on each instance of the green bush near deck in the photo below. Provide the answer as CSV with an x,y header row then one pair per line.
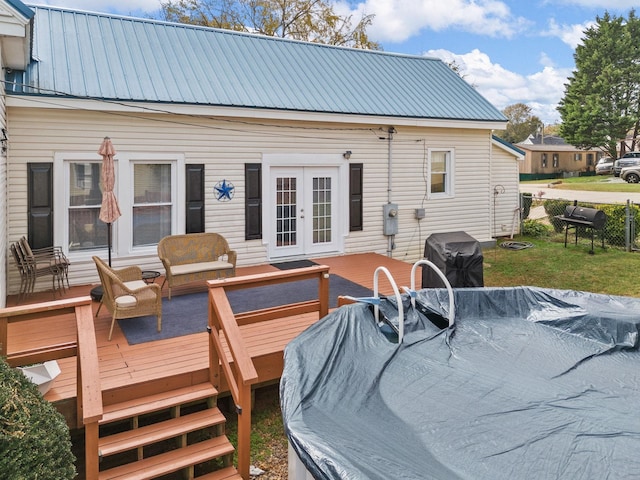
x,y
34,438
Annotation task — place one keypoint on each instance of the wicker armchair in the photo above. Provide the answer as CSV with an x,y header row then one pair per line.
x,y
126,295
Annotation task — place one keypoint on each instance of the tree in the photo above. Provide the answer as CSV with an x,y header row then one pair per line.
x,y
521,123
34,439
308,20
602,99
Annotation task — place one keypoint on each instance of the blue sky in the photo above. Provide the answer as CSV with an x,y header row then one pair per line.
x,y
510,50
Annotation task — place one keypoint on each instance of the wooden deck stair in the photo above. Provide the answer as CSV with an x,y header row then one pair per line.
x,y
131,433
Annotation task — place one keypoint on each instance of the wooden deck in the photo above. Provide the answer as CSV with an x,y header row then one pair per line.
x,y
122,364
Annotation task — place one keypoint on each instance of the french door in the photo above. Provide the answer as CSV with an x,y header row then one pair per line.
x,y
304,211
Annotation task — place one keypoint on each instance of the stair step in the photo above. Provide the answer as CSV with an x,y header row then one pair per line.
x,y
229,473
156,402
157,432
171,461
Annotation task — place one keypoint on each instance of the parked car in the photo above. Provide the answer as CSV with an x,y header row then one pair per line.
x,y
604,166
630,174
629,159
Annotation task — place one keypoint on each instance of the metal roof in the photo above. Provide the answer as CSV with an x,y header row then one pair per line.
x,y
85,54
508,146
25,11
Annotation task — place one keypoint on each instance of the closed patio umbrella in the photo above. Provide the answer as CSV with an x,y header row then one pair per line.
x,y
109,210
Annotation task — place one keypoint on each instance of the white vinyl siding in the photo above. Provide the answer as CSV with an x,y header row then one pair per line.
x,y
4,246
224,147
505,192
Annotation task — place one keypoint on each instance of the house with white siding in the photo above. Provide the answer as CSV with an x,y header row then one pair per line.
x,y
288,149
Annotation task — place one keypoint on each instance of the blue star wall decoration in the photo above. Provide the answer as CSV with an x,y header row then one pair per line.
x,y
224,191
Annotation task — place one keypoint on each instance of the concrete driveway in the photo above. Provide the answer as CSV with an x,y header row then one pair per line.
x,y
549,191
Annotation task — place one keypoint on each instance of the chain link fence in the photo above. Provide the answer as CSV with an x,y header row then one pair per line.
x,y
619,231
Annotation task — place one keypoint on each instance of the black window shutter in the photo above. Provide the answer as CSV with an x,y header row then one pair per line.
x,y
253,201
195,198
355,197
40,204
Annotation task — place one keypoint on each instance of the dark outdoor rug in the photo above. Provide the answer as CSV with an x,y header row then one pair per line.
x,y
186,314
294,264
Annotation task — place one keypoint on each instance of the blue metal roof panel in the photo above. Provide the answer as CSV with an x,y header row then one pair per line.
x,y
24,10
85,54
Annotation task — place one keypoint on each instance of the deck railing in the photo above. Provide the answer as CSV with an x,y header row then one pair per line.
x,y
239,370
237,367
85,349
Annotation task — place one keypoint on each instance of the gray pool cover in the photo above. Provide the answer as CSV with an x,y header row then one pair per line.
x,y
529,383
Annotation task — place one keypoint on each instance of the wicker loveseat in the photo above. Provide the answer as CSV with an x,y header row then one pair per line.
x,y
195,256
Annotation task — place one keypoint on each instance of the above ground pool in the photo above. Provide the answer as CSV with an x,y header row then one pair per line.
x,y
527,383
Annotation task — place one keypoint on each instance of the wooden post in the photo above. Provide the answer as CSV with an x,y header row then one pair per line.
x,y
4,322
91,462
323,294
244,432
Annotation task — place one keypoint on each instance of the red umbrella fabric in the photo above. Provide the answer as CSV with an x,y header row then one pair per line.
x,y
109,210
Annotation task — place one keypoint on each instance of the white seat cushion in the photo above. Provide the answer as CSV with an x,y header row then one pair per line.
x,y
126,301
135,284
199,267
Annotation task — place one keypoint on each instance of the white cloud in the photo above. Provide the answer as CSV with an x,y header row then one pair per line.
x,y
569,34
398,20
541,91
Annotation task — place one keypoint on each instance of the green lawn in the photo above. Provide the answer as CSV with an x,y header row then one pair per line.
x,y
596,183
549,264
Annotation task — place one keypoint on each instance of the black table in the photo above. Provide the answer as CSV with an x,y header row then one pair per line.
x,y
149,276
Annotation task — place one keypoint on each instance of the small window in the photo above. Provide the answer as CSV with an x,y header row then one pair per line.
x,y
556,160
544,160
589,159
577,157
439,181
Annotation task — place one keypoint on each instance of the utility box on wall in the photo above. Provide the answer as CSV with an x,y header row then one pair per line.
x,y
390,220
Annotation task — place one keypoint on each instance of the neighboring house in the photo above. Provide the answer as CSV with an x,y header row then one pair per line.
x,y
549,156
288,149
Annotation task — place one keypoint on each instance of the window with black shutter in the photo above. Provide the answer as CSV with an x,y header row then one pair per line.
x,y
253,201
194,198
40,204
355,197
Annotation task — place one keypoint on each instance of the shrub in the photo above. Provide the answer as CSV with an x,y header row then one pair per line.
x,y
527,200
34,438
614,229
553,208
535,229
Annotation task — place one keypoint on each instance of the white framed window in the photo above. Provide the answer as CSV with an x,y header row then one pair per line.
x,y
150,192
556,160
440,173
153,211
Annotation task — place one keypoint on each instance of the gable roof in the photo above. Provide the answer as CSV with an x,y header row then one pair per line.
x,y
543,140
508,147
82,54
15,33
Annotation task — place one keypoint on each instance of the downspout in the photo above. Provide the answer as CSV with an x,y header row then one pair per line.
x,y
492,205
391,240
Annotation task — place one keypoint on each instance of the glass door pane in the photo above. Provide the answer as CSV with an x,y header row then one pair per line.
x,y
286,211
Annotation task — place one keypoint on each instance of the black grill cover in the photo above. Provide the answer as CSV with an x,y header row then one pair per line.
x,y
458,255
597,218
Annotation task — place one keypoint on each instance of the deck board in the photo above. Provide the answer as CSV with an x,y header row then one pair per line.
x,y
124,364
